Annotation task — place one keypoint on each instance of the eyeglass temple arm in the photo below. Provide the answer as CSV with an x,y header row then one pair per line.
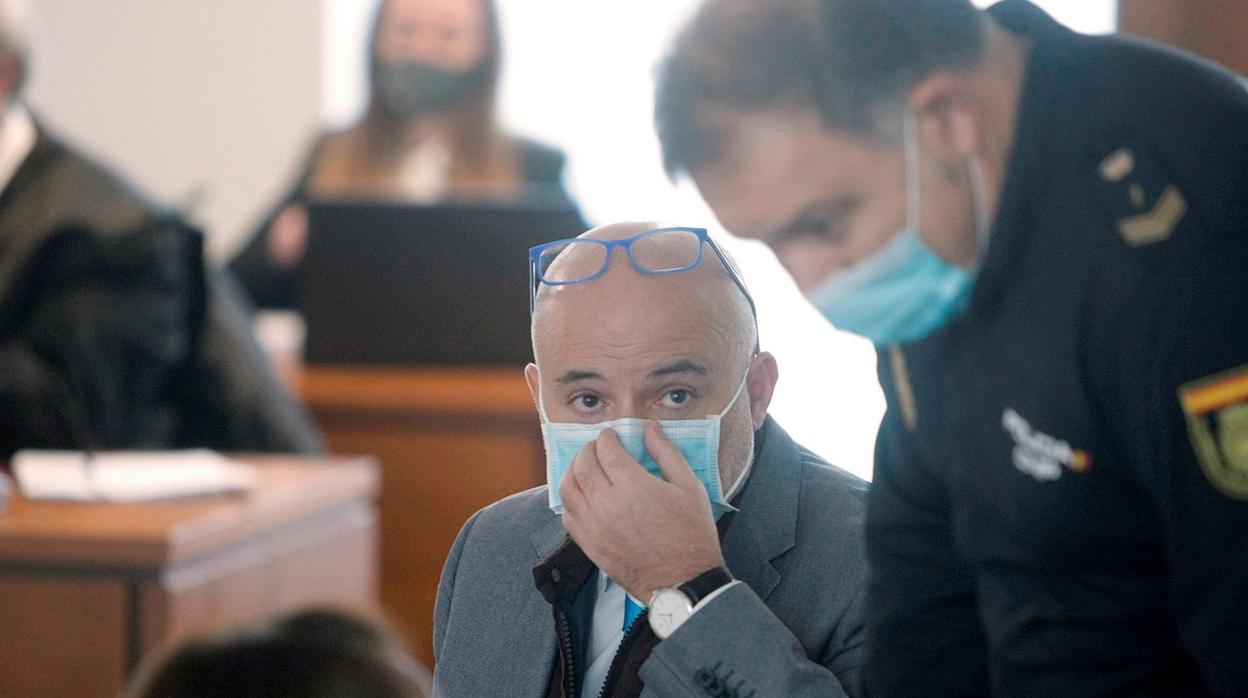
x,y
736,279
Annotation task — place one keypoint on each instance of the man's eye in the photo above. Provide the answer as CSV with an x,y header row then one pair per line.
x,y
676,398
825,230
587,401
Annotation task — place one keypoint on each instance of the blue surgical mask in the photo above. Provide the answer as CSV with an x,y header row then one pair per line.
x,y
905,291
697,440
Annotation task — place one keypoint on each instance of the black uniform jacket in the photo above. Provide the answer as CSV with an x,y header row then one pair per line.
x,y
1060,505
113,332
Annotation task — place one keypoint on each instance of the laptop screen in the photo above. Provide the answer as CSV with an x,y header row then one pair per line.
x,y
411,285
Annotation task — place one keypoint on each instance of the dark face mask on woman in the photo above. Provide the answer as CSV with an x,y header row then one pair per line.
x,y
406,89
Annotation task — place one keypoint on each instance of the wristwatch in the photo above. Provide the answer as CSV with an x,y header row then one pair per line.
x,y
671,607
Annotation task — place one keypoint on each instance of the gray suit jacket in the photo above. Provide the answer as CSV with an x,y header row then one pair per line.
x,y
793,629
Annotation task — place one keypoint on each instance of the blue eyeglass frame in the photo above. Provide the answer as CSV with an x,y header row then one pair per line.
x,y
704,239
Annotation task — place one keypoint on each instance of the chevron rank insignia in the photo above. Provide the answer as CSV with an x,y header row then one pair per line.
x,y
1146,206
1217,422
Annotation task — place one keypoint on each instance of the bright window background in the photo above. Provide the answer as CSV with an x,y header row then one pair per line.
x,y
578,74
1087,16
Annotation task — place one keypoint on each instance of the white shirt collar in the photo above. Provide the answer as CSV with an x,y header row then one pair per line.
x,y
17,139
605,634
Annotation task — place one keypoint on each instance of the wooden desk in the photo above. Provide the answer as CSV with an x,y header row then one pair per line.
x,y
450,441
87,589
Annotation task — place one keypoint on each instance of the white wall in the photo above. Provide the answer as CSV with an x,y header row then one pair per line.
x,y
343,91
1087,16
215,96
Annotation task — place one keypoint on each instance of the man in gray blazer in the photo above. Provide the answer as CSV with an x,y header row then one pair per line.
x,y
737,572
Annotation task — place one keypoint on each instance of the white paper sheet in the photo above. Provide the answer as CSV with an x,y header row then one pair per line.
x,y
128,476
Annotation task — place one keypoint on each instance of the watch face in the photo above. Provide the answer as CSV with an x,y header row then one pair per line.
x,y
668,609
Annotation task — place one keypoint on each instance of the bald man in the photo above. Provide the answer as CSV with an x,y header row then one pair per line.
x,y
684,544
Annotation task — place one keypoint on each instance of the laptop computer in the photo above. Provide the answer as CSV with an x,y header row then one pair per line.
x,y
398,284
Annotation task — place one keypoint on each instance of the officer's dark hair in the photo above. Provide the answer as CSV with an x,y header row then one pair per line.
x,y
319,653
852,60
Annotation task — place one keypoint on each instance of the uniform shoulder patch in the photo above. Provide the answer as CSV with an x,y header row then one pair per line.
x,y
1216,409
1145,205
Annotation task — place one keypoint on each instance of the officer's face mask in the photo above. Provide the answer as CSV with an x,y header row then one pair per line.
x,y
905,291
697,440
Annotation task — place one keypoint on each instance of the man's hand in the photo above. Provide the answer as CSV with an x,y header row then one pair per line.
x,y
645,533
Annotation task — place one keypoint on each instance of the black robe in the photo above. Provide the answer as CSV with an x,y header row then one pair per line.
x,y
114,333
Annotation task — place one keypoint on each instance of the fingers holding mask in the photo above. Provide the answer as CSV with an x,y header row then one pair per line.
x,y
616,462
571,494
671,461
588,473
573,487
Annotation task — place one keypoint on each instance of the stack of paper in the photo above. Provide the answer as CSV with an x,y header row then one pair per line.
x,y
128,476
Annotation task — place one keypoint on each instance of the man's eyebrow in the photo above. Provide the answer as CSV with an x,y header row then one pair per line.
x,y
575,376
682,366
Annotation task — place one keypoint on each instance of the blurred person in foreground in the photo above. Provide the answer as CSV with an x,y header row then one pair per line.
x,y
113,331
428,135
319,653
684,544
1047,236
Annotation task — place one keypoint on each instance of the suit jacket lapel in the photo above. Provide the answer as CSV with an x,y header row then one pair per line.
x,y
765,526
526,670
531,661
508,641
547,537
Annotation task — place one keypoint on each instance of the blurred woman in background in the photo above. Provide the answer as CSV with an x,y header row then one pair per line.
x,y
428,135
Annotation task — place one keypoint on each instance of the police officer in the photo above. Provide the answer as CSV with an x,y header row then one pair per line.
x,y
1046,234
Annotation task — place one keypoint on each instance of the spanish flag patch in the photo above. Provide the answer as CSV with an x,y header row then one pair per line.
x,y
1217,421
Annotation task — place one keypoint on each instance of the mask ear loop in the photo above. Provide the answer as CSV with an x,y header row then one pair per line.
x,y
745,472
737,395
979,199
914,191
914,195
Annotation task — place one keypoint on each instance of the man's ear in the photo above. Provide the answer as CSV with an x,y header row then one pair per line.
x,y
761,385
950,117
533,378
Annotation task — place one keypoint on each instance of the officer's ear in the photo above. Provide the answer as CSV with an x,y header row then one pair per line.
x,y
950,117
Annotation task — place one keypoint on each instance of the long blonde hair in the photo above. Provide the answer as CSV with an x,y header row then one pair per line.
x,y
370,153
